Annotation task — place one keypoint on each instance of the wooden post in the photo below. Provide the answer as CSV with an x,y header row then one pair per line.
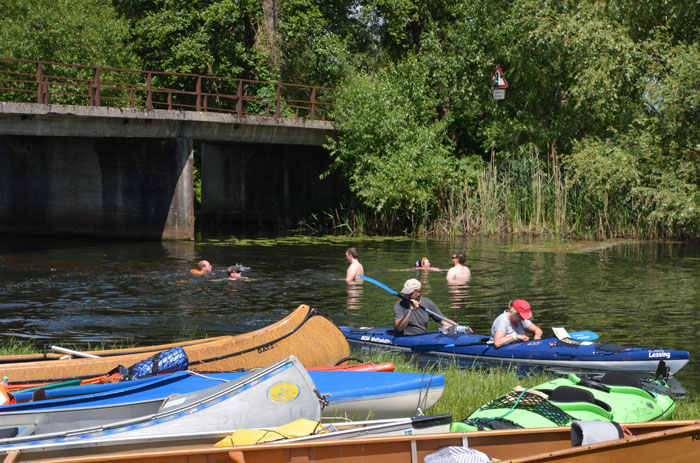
x,y
98,97
39,84
277,100
149,99
198,104
313,103
239,103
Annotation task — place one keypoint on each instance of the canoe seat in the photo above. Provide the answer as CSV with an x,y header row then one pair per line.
x,y
616,378
39,394
574,394
6,433
27,430
613,348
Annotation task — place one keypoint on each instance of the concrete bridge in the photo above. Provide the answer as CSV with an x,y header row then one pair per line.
x,y
120,170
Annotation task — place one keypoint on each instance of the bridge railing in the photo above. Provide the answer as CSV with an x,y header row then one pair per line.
x,y
46,82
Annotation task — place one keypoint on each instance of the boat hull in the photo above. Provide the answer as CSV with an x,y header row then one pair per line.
x,y
352,394
273,396
659,441
300,333
548,353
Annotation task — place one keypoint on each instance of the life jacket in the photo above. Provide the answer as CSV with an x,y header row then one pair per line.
x,y
6,397
195,271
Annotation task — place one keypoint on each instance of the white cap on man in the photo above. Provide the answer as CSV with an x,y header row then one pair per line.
x,y
410,286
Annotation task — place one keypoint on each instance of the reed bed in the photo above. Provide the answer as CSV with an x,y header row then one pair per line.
x,y
532,193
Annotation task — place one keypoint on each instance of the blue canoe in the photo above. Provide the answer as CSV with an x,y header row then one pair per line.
x,y
357,394
550,353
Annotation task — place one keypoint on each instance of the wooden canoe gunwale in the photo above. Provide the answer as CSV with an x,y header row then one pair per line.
x,y
530,445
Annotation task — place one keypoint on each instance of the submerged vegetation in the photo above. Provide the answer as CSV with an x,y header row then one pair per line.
x,y
596,136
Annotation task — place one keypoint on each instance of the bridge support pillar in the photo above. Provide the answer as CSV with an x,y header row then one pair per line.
x,y
106,187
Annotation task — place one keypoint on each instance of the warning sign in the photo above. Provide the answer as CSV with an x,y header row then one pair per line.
x,y
498,79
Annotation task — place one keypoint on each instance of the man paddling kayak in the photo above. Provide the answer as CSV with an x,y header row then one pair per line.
x,y
510,326
409,317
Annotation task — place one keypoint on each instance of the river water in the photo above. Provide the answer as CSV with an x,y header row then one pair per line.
x,y
72,292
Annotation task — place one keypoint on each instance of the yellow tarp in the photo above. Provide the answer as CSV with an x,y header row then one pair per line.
x,y
301,427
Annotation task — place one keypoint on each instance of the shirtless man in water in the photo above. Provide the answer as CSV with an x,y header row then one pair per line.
x,y
355,268
458,272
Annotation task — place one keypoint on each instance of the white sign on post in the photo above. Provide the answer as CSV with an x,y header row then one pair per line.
x,y
499,93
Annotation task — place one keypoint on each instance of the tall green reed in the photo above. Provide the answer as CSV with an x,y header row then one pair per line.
x,y
526,194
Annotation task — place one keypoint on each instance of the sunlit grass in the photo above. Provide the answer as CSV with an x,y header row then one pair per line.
x,y
12,346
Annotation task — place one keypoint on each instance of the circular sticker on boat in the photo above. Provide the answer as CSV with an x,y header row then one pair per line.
x,y
283,391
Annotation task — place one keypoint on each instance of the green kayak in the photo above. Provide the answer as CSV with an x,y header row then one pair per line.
x,y
614,397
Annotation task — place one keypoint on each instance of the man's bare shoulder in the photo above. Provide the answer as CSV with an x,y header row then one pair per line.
x,y
353,271
458,273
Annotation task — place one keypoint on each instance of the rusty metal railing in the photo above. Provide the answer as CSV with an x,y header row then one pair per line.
x,y
46,82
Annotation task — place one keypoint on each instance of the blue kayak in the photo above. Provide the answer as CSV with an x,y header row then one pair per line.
x,y
356,394
550,353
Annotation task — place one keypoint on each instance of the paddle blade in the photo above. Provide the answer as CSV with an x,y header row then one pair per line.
x,y
381,285
584,335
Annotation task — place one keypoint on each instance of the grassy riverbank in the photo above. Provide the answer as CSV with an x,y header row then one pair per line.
x,y
466,389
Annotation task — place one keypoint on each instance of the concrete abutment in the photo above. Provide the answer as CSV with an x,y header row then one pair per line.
x,y
106,187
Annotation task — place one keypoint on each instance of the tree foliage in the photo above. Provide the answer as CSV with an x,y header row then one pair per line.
x,y
610,89
613,86
215,37
67,31
393,149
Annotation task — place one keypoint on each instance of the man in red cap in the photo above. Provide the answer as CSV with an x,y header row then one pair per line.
x,y
510,326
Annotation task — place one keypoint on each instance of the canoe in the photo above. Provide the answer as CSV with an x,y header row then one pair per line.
x,y
272,396
614,397
369,366
417,425
300,333
658,441
30,387
352,394
551,353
